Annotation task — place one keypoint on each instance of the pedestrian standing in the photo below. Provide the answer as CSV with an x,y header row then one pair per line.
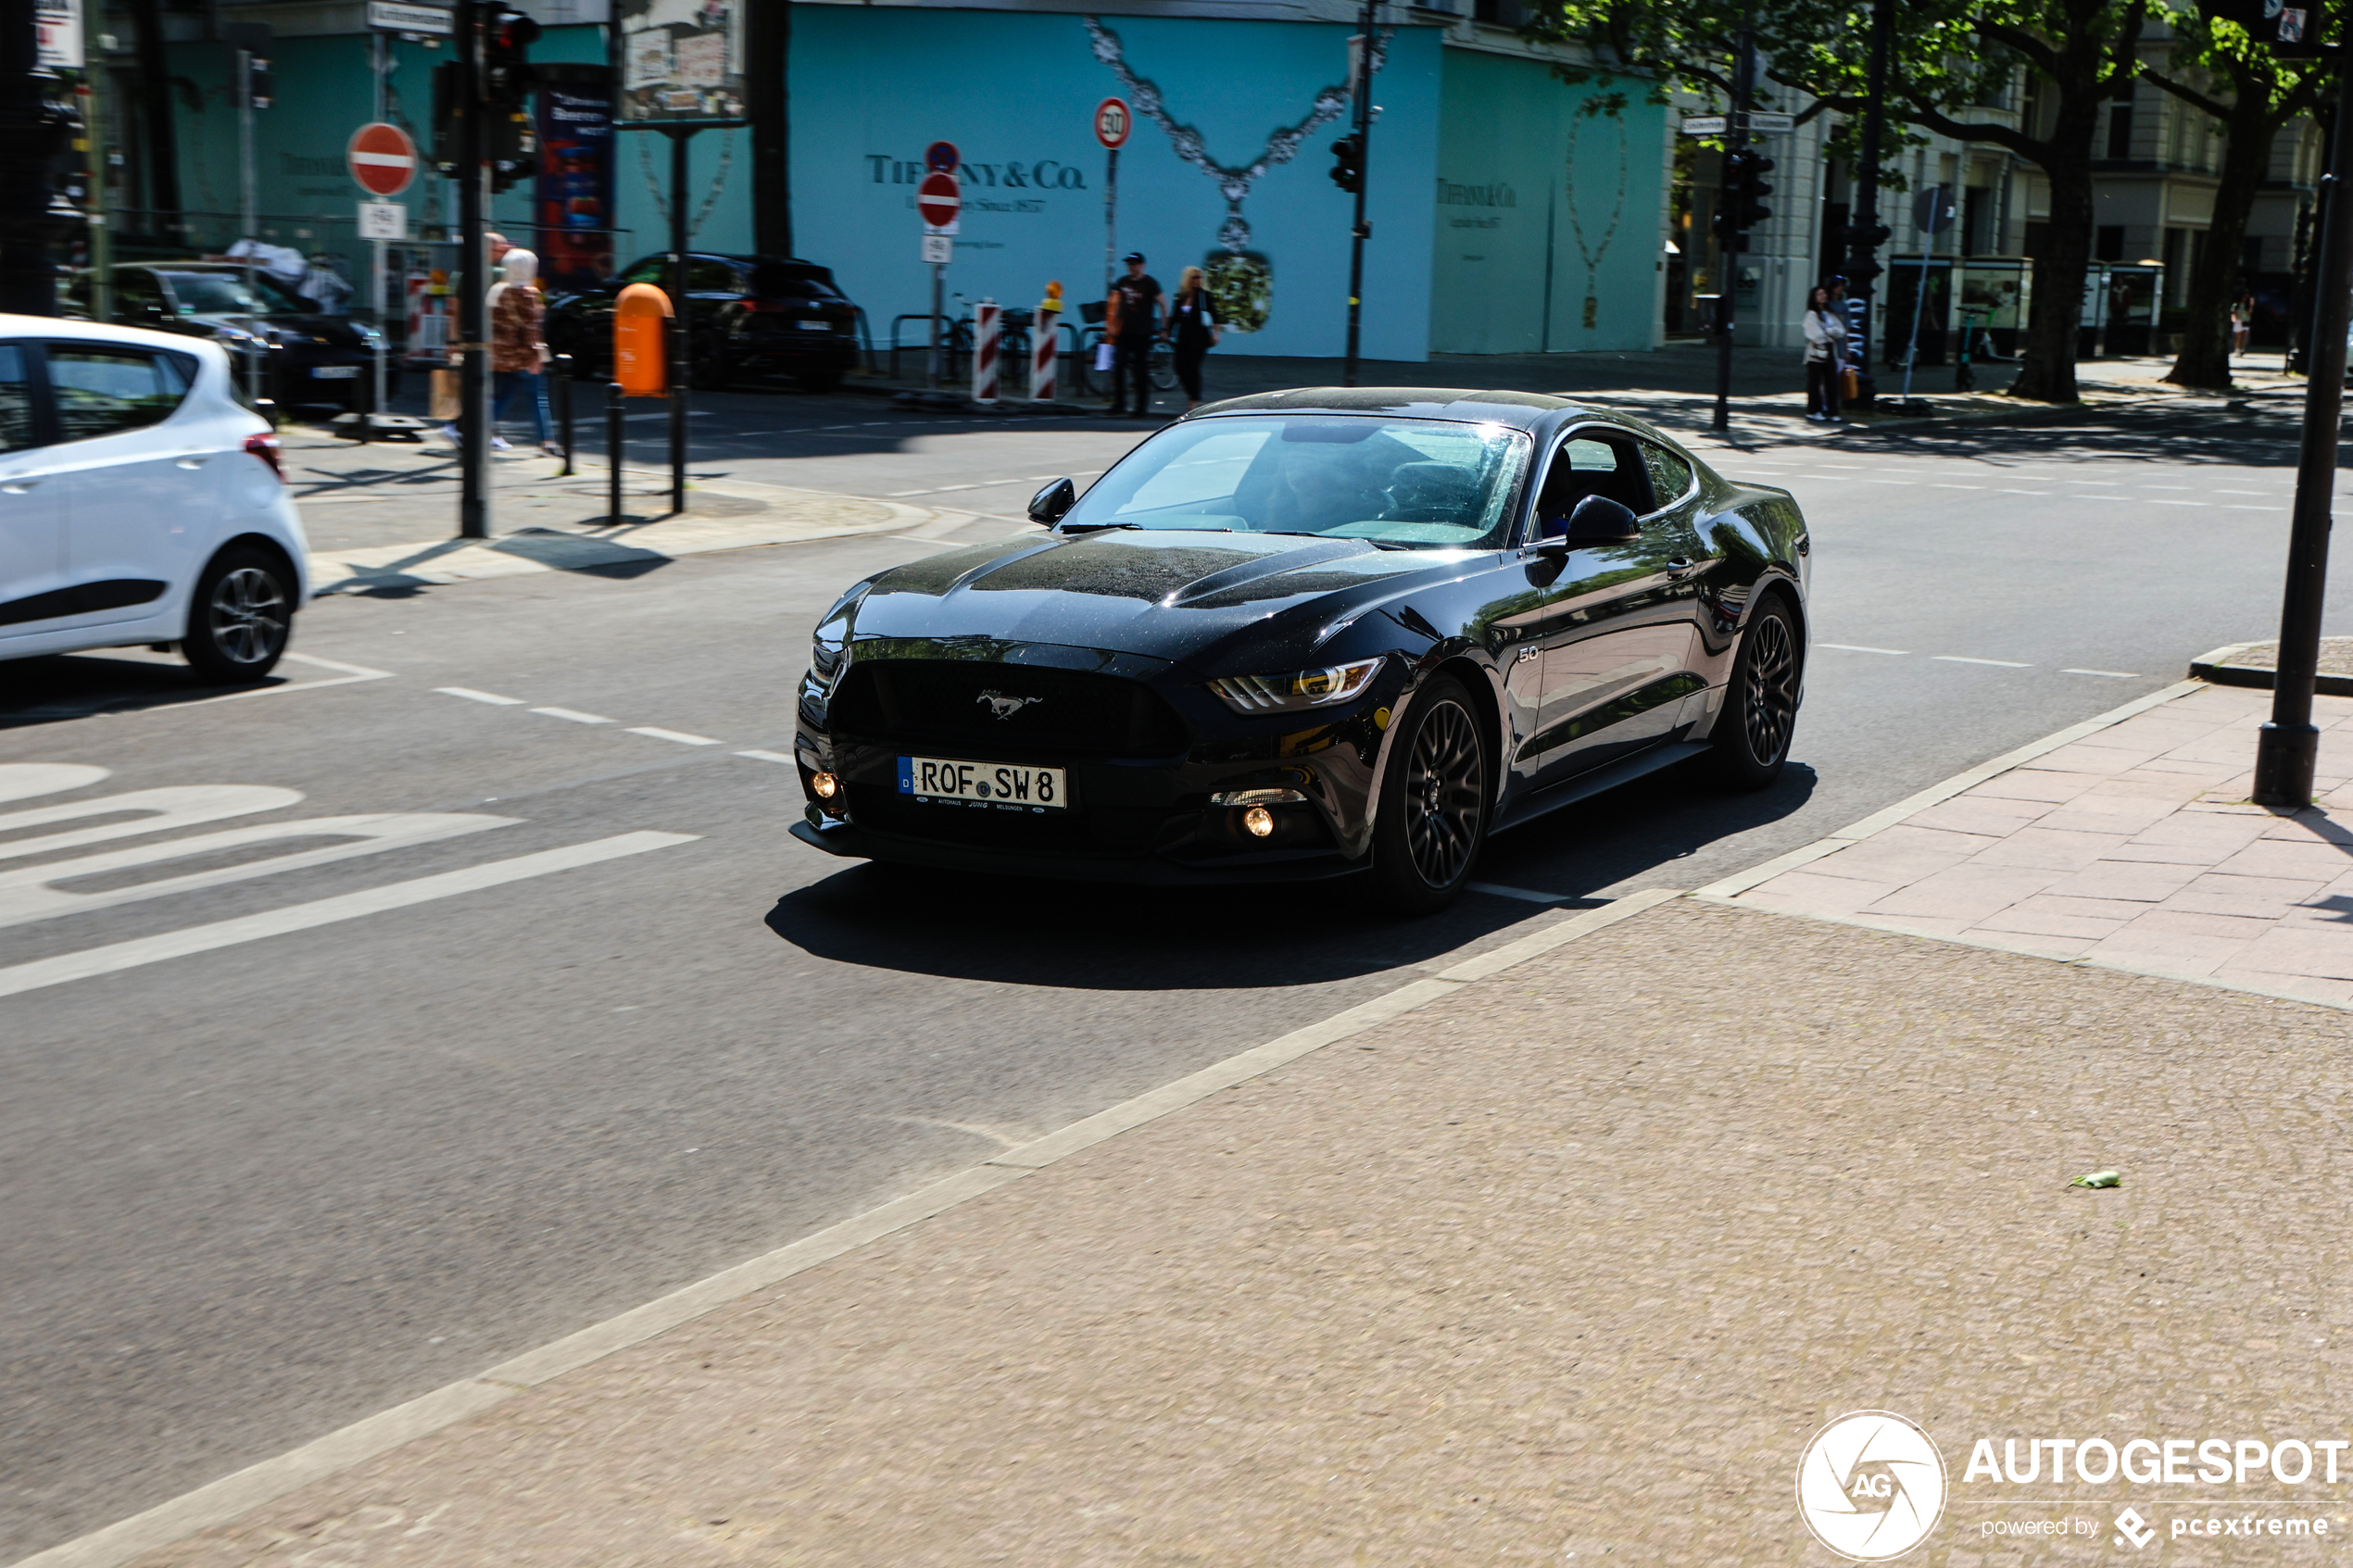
x,y
518,352
1825,355
2242,321
1133,319
1192,331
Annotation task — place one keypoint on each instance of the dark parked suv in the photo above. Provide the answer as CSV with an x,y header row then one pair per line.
x,y
307,357
749,315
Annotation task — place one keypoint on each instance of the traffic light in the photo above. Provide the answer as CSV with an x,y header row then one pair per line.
x,y
1741,205
1348,164
1863,242
507,83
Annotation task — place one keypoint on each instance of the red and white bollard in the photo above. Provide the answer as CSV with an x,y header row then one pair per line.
x,y
985,352
1045,350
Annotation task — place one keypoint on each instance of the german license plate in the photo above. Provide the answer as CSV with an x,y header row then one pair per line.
x,y
816,326
1006,786
335,372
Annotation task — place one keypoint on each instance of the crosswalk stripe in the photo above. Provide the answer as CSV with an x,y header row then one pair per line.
x,y
119,956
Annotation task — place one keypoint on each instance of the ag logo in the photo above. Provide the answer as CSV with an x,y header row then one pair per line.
x,y
1871,1485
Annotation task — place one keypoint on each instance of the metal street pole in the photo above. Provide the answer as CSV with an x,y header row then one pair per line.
x,y
1111,225
254,350
1729,234
682,325
1862,229
1361,231
379,50
94,129
939,303
473,282
2288,748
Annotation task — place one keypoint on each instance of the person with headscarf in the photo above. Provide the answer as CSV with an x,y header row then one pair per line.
x,y
518,351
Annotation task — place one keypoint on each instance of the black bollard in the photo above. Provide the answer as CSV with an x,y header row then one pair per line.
x,y
561,368
612,452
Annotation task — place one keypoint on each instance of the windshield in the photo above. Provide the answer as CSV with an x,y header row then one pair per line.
x,y
224,294
1430,484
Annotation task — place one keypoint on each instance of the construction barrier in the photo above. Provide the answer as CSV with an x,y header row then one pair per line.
x,y
985,334
1045,345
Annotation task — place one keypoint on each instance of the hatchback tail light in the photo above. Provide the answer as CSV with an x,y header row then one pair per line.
x,y
265,447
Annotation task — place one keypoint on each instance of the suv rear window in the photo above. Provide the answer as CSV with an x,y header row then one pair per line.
x,y
775,280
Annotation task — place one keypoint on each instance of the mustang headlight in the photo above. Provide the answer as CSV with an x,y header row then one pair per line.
x,y
1307,688
825,657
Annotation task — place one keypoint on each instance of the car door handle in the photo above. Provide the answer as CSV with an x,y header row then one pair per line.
x,y
17,487
192,462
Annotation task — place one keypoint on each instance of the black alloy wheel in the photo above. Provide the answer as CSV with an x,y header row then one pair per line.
x,y
240,617
1433,808
1752,736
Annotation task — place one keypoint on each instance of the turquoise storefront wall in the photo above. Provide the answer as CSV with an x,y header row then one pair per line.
x,y
1016,92
1540,208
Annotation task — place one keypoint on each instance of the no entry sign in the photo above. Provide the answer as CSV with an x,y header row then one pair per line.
x,y
1112,122
939,199
383,159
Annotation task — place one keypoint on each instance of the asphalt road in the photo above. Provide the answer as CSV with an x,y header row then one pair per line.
x,y
259,1191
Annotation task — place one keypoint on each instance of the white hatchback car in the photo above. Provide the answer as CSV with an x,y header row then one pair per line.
x,y
140,502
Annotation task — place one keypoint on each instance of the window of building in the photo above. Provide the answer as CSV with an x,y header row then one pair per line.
x,y
2119,132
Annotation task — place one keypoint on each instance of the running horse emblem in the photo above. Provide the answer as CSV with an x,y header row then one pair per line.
x,y
1003,707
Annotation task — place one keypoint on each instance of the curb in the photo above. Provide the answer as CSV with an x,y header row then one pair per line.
x,y
2216,668
223,1501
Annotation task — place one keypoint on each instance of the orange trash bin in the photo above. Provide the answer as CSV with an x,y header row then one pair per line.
x,y
640,357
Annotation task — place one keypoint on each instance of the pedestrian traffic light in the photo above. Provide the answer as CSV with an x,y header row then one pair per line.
x,y
1348,163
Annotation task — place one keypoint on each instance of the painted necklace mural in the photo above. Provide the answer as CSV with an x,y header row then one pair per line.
x,y
1242,281
1592,255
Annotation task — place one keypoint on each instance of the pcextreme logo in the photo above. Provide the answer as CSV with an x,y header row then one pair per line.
x,y
1870,1485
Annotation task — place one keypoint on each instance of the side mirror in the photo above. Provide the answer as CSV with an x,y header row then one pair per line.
x,y
1048,504
1597,520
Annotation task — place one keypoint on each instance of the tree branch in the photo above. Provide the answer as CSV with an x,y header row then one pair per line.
x,y
2187,94
1924,112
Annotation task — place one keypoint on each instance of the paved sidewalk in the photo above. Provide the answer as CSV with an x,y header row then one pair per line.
x,y
380,517
2135,846
1562,1267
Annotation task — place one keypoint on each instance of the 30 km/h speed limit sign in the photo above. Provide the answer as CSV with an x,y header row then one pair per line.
x,y
1112,122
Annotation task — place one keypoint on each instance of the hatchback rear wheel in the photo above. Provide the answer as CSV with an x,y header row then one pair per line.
x,y
239,618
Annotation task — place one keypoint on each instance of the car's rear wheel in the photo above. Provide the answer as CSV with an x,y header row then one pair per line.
x,y
1432,820
819,381
1760,711
240,617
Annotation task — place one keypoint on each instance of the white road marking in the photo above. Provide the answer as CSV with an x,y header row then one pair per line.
x,y
2099,498
2004,663
2006,492
1526,896
357,673
1857,647
119,955
2242,492
2161,501
21,781
2237,507
157,810
2165,487
679,735
768,757
573,714
1941,486
29,893
2112,674
473,695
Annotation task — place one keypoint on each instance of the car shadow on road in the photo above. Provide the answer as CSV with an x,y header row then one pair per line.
x,y
61,686
1090,936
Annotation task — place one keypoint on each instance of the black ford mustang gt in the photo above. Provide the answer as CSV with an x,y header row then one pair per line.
x,y
1309,635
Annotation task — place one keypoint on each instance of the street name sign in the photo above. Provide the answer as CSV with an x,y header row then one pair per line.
x,y
400,16
1703,125
382,158
1758,122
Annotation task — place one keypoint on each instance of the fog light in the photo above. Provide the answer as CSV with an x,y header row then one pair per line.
x,y
826,784
1259,820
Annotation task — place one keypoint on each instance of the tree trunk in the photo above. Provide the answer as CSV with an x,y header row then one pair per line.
x,y
768,44
2054,321
2205,358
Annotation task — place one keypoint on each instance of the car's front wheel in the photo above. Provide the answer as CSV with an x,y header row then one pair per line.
x,y
1432,820
239,618
1753,734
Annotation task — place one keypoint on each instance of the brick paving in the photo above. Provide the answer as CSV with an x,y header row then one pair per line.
x,y
1562,1268
2136,846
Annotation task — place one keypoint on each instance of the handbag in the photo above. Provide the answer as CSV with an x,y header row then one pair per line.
x,y
1105,355
1850,385
445,395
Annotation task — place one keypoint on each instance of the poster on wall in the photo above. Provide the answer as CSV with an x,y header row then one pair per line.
x,y
574,193
56,31
681,60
